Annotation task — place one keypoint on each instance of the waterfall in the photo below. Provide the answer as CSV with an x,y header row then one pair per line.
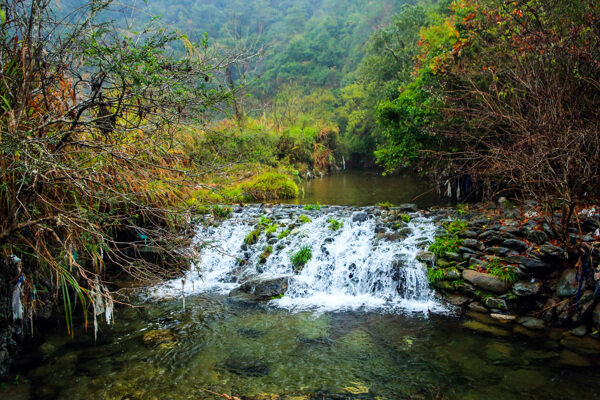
x,y
362,265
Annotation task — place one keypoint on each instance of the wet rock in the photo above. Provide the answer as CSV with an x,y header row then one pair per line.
x,y
499,251
568,284
503,317
538,237
523,289
477,306
468,234
515,244
530,264
473,244
580,331
551,251
407,207
458,300
158,336
359,216
485,281
262,288
443,263
494,302
425,256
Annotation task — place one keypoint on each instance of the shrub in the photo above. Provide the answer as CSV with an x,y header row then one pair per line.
x,y
270,186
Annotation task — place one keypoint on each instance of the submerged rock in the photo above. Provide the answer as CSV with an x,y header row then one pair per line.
x,y
158,336
359,216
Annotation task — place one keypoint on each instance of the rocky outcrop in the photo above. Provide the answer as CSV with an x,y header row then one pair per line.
x,y
512,267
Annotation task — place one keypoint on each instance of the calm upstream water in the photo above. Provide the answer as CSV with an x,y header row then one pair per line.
x,y
367,187
357,322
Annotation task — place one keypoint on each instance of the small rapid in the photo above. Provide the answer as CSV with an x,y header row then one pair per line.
x,y
369,263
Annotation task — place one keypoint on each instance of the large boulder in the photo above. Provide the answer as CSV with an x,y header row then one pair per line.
x,y
485,281
473,244
263,288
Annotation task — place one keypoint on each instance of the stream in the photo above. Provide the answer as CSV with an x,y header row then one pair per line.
x,y
358,321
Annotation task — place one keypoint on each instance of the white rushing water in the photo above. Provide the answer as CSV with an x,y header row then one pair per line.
x,y
351,268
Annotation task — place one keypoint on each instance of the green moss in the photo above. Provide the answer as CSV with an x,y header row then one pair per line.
x,y
270,186
405,217
279,296
252,237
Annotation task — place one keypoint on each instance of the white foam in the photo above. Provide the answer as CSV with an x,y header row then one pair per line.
x,y
350,270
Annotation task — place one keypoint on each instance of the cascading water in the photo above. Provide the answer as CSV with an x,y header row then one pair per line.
x,y
366,263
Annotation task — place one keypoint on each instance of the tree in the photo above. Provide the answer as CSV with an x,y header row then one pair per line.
x,y
89,160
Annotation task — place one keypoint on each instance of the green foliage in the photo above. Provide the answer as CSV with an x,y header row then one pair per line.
x,y
283,234
264,221
221,211
405,217
385,205
301,257
334,224
262,258
309,207
252,237
279,296
304,219
435,275
505,272
271,229
448,242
